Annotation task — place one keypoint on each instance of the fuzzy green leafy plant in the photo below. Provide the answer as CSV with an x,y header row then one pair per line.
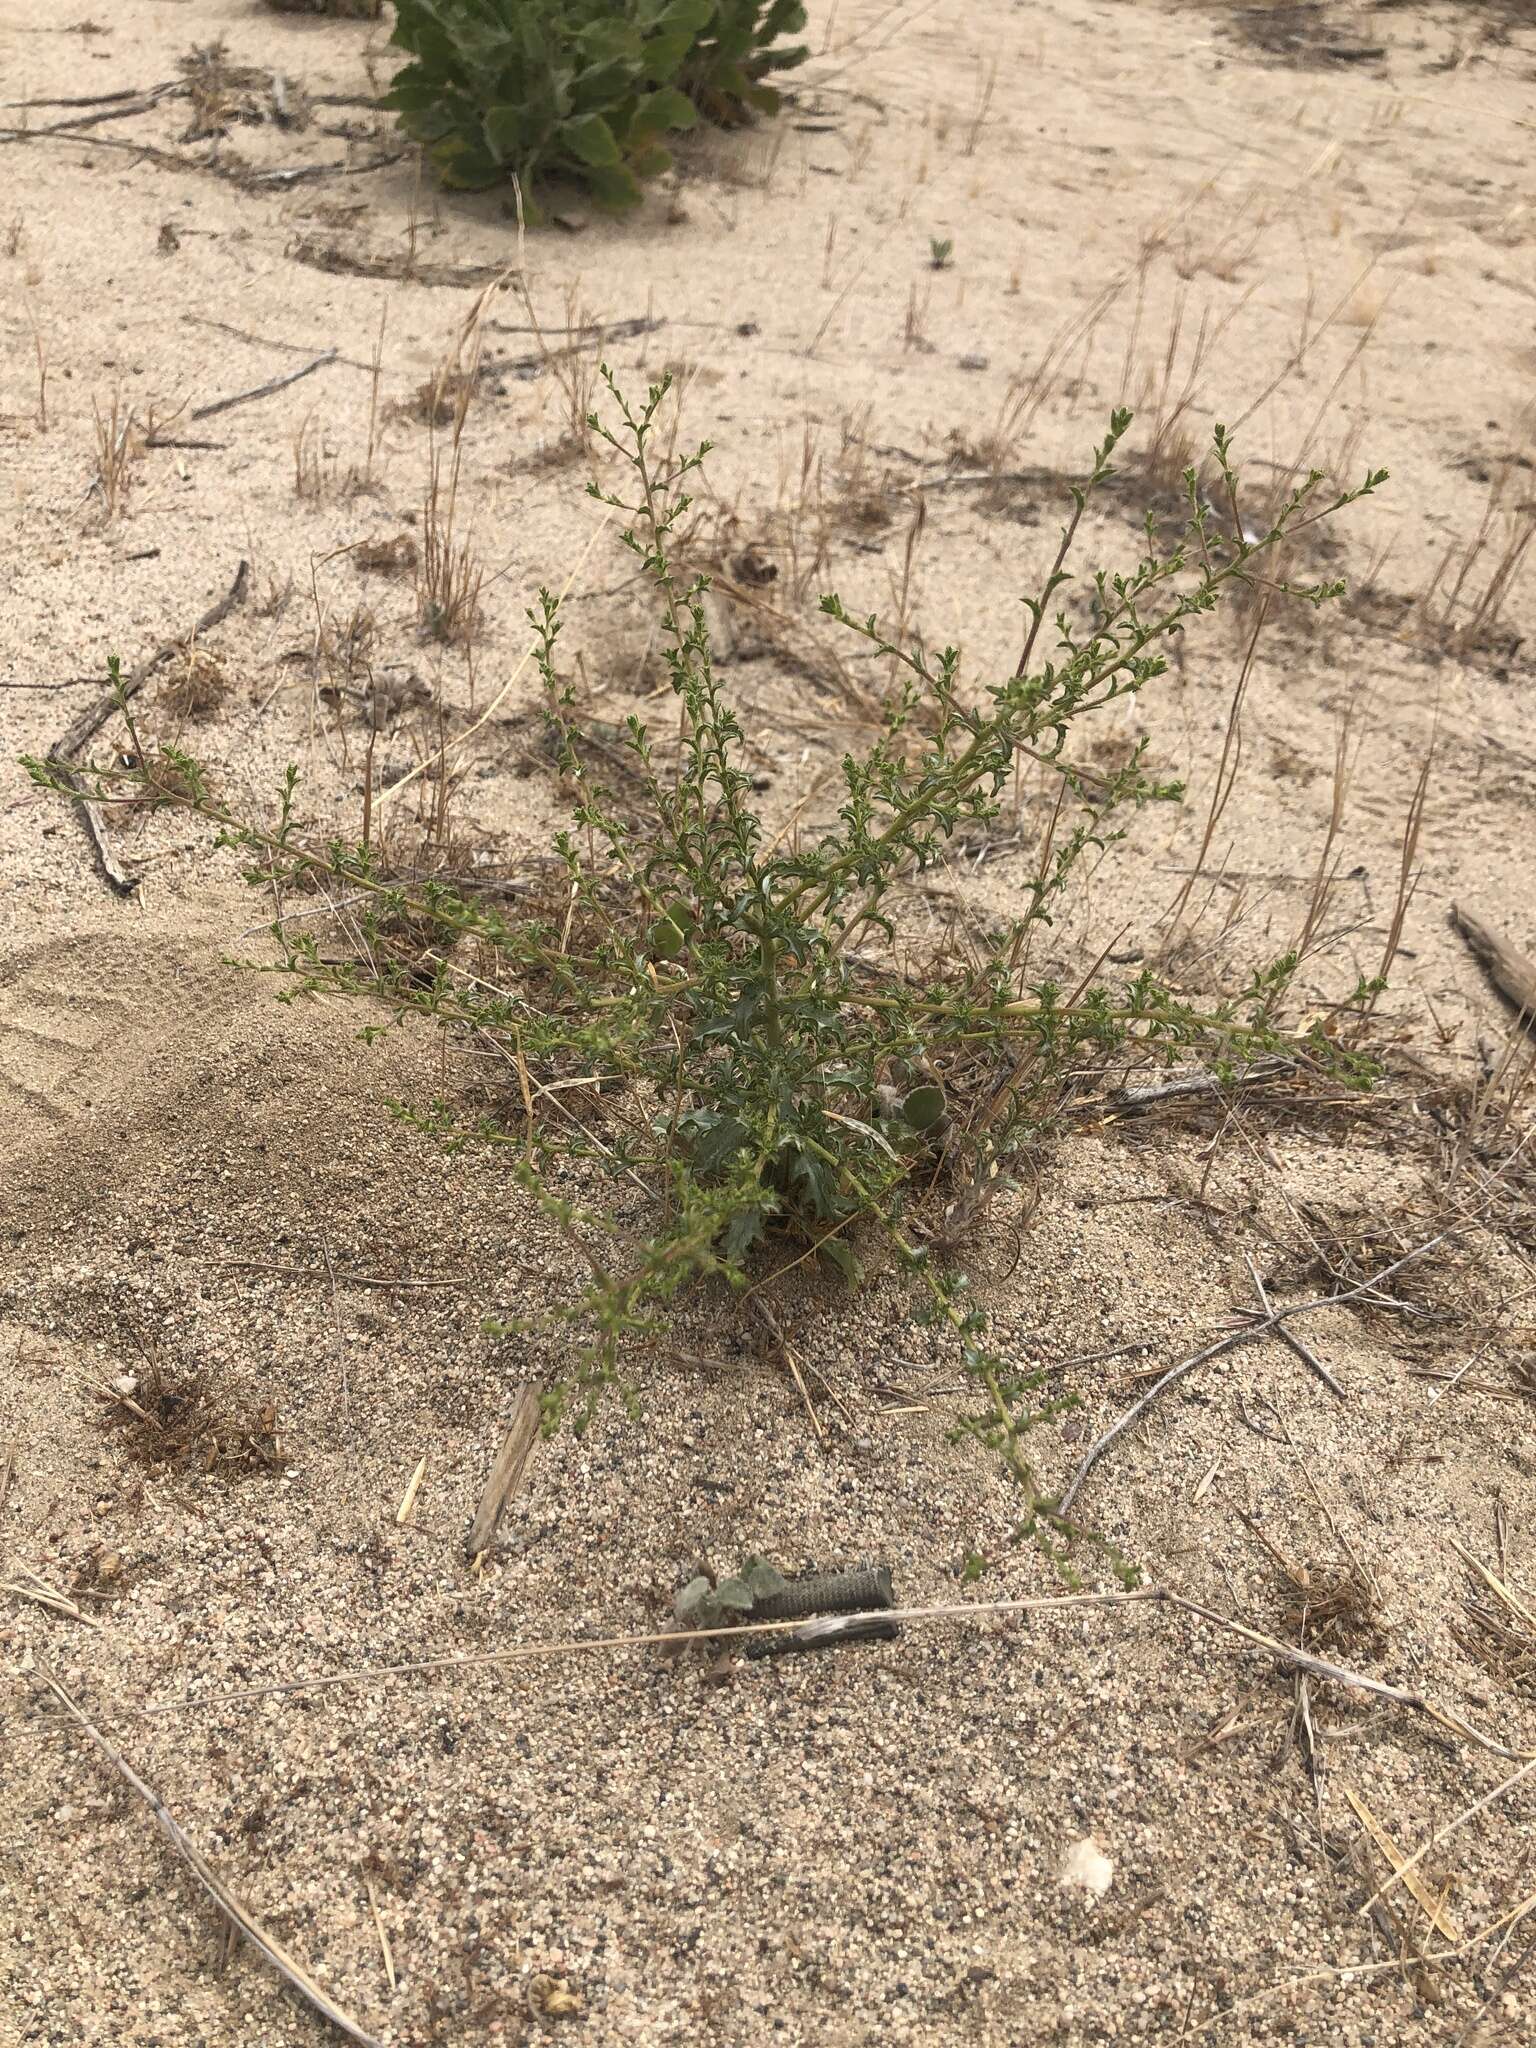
x,y
583,90
707,1602
710,1012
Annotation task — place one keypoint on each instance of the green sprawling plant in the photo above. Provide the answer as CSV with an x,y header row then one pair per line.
x,y
581,89
779,1092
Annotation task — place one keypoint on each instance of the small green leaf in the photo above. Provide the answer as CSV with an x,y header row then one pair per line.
x,y
716,1141
615,188
924,1106
689,16
665,54
589,137
843,1256
695,1602
506,133
742,1232
650,160
762,1577
663,109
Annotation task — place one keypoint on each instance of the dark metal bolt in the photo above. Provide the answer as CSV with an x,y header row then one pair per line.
x,y
855,1592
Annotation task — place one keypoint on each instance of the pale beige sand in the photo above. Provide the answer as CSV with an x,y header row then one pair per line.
x,y
860,1848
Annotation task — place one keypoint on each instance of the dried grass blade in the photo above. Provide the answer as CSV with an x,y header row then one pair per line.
x,y
1436,1911
45,1596
1497,1587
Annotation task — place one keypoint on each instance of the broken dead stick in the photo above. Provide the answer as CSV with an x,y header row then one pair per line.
x,y
63,755
1304,1352
206,412
1512,972
506,1473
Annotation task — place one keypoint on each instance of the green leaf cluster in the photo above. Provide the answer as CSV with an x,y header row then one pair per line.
x,y
706,1602
583,90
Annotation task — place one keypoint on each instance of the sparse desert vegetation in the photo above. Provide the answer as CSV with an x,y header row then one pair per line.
x,y
768,888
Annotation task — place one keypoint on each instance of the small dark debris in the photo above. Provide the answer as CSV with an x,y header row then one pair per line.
x,y
397,556
1303,35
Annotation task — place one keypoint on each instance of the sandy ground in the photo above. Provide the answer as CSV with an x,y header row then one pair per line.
x,y
1316,222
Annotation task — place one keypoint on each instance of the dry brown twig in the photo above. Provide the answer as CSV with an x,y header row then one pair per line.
x,y
1304,1352
1260,1327
785,1350
232,171
1512,972
1288,1656
41,1594
64,754
218,405
386,1952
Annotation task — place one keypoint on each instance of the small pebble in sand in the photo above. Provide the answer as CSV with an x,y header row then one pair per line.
x,y
1086,1864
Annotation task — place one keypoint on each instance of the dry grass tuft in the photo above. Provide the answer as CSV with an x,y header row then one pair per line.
x,y
436,401
1334,1607
1347,1245
1331,1609
197,685
1500,1627
448,573
1307,35
344,647
398,556
118,446
1463,610
570,361
1163,394
317,467
166,1419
